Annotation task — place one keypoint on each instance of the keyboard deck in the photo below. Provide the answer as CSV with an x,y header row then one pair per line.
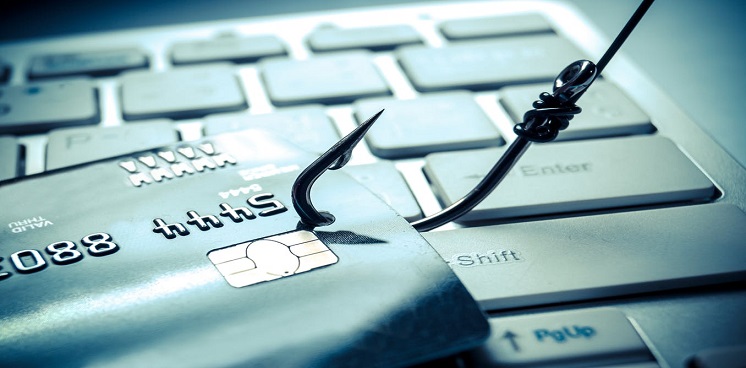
x,y
630,224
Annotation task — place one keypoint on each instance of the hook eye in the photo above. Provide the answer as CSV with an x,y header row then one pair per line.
x,y
572,81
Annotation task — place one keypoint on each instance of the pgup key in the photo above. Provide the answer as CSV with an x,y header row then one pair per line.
x,y
574,338
565,333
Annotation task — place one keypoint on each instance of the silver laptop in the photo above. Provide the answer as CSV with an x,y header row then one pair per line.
x,y
145,180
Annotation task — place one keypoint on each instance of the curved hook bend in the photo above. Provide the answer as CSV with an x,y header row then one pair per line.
x,y
333,159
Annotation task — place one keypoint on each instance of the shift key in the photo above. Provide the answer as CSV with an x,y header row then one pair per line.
x,y
573,176
582,258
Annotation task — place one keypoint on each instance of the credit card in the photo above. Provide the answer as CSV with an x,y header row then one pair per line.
x,y
193,256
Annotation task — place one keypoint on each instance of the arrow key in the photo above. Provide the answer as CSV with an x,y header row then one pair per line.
x,y
592,336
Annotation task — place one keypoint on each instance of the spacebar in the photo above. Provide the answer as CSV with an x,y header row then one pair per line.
x,y
525,264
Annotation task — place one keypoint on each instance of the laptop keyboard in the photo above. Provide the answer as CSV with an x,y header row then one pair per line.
x,y
453,81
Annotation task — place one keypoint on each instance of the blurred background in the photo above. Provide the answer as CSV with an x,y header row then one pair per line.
x,y
693,49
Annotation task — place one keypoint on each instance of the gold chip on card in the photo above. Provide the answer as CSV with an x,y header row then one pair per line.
x,y
271,258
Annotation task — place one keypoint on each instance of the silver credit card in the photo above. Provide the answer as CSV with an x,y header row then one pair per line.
x,y
192,255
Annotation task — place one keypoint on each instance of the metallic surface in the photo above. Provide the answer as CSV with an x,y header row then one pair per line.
x,y
679,322
139,298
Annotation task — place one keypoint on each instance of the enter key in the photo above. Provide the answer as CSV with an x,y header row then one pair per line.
x,y
573,176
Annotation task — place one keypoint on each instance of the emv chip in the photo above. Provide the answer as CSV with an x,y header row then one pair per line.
x,y
271,258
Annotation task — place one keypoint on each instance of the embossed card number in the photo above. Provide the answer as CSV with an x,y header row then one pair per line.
x,y
271,258
61,253
263,201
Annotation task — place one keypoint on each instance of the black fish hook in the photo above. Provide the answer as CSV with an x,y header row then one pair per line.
x,y
333,159
551,113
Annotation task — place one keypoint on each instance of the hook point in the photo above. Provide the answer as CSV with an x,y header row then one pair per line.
x,y
336,157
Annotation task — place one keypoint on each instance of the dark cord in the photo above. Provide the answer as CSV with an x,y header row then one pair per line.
x,y
623,34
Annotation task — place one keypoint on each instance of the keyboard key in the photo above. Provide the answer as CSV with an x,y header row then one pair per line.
x,y
651,364
72,146
235,49
487,63
5,70
384,180
331,78
581,258
607,111
96,63
569,338
39,107
437,122
495,26
308,127
181,93
720,357
573,176
373,38
9,157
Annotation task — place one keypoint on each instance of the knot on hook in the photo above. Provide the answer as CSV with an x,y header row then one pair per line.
x,y
553,112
